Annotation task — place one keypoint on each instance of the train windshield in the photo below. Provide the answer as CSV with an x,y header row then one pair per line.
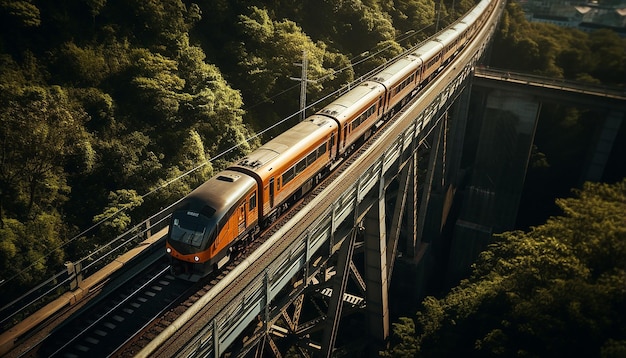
x,y
190,232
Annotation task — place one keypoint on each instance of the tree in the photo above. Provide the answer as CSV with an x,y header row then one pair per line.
x,y
39,129
267,57
557,290
553,51
609,54
116,219
417,15
29,251
23,12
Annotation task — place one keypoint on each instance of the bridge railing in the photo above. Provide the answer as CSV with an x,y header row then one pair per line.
x,y
559,83
69,279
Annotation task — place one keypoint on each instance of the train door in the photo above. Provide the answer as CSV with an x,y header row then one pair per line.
x,y
271,192
242,218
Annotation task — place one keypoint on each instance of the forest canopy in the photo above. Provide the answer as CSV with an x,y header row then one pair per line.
x,y
558,52
557,290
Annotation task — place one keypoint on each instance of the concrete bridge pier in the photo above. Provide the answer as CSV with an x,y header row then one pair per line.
x,y
602,146
376,269
491,200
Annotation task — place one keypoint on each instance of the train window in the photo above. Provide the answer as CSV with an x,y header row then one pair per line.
x,y
331,142
321,150
288,175
407,81
300,166
310,159
364,116
188,231
252,202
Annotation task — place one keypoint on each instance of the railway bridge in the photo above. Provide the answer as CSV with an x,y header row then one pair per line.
x,y
334,259
320,285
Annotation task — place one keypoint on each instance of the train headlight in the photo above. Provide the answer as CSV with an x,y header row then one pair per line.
x,y
196,258
168,250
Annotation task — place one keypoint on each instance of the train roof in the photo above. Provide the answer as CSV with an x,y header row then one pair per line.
x,y
446,36
428,49
218,194
295,140
344,106
395,72
460,26
475,12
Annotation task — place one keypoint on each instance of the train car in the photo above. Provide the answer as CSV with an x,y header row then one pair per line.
x,y
401,81
289,165
209,221
355,113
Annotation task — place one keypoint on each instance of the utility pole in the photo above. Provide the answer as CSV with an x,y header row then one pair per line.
x,y
438,10
303,81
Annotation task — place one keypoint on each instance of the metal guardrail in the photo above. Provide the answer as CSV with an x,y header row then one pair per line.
x,y
553,83
68,279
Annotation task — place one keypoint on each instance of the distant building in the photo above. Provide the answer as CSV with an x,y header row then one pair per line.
x,y
584,16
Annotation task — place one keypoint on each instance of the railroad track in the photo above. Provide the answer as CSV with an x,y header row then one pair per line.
x,y
106,322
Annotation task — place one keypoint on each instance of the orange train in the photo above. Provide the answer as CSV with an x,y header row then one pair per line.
x,y
238,202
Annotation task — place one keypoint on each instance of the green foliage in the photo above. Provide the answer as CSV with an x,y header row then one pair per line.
x,y
86,64
133,103
115,218
39,129
553,51
267,57
405,336
29,250
353,25
385,51
557,290
23,12
412,14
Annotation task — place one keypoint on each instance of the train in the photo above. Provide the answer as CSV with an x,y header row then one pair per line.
x,y
248,196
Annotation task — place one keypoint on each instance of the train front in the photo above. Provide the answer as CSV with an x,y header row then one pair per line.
x,y
190,238
206,224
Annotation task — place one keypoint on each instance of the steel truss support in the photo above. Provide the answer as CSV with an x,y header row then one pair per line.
x,y
340,281
406,199
324,298
433,164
